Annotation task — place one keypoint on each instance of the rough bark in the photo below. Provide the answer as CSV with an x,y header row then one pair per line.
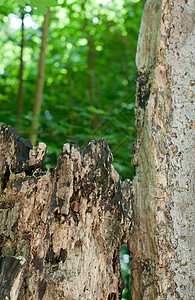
x,y
61,230
162,244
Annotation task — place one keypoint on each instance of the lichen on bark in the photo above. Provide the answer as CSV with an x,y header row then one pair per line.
x,y
68,223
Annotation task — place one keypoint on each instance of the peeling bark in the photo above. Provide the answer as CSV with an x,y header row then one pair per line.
x,y
66,224
162,239
11,276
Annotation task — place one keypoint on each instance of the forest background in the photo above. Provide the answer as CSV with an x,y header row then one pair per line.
x,y
89,78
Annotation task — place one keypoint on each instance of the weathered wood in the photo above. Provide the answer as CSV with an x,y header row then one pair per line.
x,y
11,276
162,239
68,223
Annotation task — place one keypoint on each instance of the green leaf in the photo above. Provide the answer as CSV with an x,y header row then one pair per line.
x,y
96,110
51,3
21,2
42,5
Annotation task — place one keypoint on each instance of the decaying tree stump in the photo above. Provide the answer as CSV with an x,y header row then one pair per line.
x,y
61,230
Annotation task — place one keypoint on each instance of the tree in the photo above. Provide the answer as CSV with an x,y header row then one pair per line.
x,y
20,90
62,229
40,82
161,240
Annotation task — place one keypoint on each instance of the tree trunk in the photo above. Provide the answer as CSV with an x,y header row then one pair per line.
x,y
40,82
20,91
94,99
72,103
61,230
162,240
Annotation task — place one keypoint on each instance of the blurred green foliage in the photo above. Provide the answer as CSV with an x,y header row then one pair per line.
x,y
126,271
89,88
89,81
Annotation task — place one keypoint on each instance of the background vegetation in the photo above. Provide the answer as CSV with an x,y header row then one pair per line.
x,y
89,84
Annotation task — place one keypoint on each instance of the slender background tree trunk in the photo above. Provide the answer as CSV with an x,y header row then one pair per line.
x,y
162,240
20,91
72,102
40,82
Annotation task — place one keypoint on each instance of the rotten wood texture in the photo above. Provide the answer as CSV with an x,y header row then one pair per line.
x,y
162,240
62,228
